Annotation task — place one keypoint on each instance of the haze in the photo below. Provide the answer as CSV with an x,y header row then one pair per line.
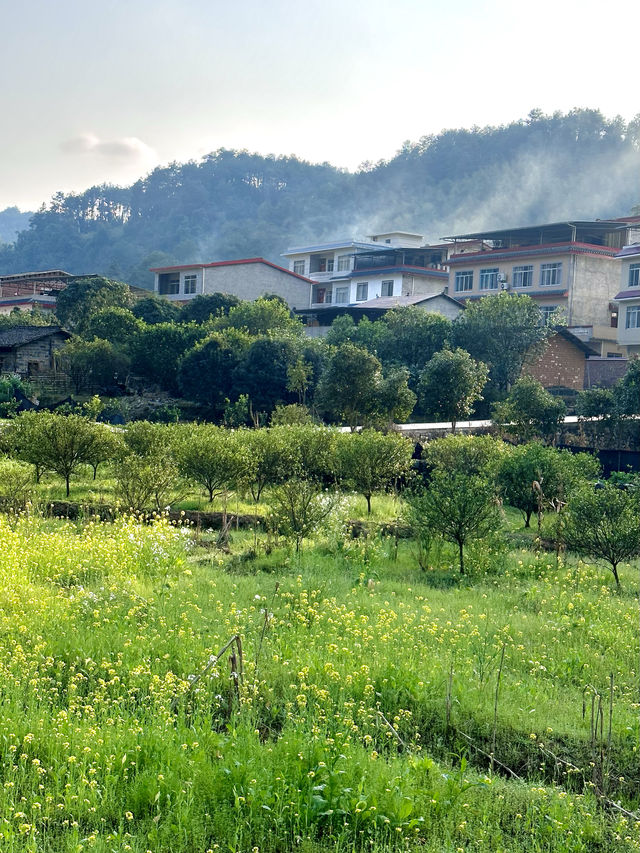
x,y
96,93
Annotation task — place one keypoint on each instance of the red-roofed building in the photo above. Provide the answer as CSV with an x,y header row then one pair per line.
x,y
246,278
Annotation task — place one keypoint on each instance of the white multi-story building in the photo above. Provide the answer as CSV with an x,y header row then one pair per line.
x,y
348,272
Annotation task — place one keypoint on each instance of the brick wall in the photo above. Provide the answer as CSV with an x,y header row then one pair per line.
x,y
561,365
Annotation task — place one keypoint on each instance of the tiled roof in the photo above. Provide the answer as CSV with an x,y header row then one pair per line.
x,y
18,336
631,293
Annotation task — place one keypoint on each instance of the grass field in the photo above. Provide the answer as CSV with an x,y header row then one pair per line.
x,y
366,704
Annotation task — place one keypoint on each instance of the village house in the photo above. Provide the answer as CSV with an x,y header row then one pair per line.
x,y
562,265
247,278
629,299
29,351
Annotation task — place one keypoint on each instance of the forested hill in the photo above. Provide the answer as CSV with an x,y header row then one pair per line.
x,y
235,204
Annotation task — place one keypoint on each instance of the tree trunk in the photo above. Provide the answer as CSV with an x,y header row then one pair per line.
x,y
453,427
66,480
614,569
460,548
527,518
368,497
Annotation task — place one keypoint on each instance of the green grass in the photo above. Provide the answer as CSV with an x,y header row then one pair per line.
x,y
367,700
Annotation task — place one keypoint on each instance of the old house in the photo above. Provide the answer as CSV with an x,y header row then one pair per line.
x,y
563,363
29,351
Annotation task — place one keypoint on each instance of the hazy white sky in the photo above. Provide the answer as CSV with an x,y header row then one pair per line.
x,y
94,92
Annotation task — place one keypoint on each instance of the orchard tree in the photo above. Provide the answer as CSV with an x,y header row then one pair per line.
x,y
213,457
461,508
501,330
604,524
370,461
262,317
530,411
207,305
273,458
467,455
153,309
206,372
557,474
450,385
116,325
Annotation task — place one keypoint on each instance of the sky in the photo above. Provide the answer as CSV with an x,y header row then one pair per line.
x,y
102,92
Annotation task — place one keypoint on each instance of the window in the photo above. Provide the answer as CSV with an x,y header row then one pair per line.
x,y
523,276
464,281
169,283
634,275
342,295
298,267
633,317
329,264
344,263
386,288
328,296
550,274
362,291
190,283
545,313
489,279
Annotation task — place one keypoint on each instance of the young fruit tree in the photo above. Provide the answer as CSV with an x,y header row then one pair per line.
x,y
450,385
605,524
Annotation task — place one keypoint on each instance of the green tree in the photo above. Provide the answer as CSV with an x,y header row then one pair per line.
x,y
205,306
298,509
450,385
152,310
92,365
557,472
501,331
156,351
213,457
595,403
58,443
604,524
627,390
468,455
273,458
261,317
85,296
530,411
461,508
263,372
414,337
116,325
206,372
370,461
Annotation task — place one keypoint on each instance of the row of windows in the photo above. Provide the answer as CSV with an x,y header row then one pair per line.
x,y
169,284
340,295
362,290
323,265
522,276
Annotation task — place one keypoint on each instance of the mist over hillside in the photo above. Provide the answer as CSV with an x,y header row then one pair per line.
x,y
12,221
236,204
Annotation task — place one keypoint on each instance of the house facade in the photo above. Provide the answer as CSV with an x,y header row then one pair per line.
x,y
348,272
628,298
566,267
29,351
248,278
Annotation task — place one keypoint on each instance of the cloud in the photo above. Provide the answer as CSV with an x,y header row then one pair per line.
x,y
123,149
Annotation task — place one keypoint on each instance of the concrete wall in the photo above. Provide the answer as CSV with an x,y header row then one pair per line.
x,y
246,281
596,282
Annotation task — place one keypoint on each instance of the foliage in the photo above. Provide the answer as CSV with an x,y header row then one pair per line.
x,y
206,372
627,390
414,336
290,415
530,411
502,331
94,365
595,403
83,297
17,485
145,482
13,390
262,374
207,305
468,455
58,443
604,523
156,351
460,508
450,385
261,317
153,309
557,472
217,459
114,324
352,389
298,509
369,461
